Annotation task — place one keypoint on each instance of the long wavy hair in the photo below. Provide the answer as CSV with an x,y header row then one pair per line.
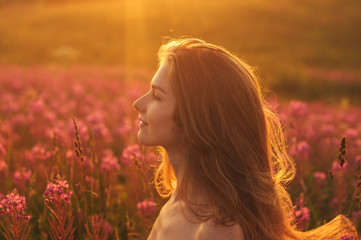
x,y
237,152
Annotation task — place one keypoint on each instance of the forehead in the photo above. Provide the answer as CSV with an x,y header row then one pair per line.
x,y
161,78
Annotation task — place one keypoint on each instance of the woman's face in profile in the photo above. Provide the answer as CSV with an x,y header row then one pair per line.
x,y
156,111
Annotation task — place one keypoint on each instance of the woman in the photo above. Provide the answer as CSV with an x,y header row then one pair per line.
x,y
225,163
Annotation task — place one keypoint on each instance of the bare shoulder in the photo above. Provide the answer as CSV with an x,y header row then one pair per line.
x,y
210,231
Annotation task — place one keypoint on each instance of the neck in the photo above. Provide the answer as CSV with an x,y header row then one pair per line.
x,y
176,159
194,192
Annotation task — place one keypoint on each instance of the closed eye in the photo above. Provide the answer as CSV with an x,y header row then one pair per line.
x,y
155,96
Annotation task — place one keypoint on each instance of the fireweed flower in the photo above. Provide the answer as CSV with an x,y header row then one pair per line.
x,y
297,108
351,134
358,159
3,167
11,105
300,150
102,132
50,116
301,213
57,131
328,130
89,181
356,216
319,176
146,208
57,192
130,153
78,90
36,106
57,199
109,163
2,150
330,143
347,237
336,166
121,106
107,227
13,207
95,118
335,202
19,120
15,204
22,176
37,153
125,128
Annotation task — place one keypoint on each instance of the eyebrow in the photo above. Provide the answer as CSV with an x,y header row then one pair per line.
x,y
158,88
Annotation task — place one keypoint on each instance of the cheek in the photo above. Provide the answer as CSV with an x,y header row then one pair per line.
x,y
162,120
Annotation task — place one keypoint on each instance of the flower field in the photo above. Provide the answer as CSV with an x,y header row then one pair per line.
x,y
71,167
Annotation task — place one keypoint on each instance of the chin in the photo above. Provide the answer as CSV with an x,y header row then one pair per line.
x,y
144,141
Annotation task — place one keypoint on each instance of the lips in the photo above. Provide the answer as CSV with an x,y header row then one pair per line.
x,y
142,123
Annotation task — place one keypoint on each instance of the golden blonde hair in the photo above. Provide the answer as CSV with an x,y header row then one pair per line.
x,y
236,147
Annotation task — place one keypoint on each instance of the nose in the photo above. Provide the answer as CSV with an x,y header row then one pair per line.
x,y
137,104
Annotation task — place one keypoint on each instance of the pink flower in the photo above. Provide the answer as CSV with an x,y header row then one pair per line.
x,y
347,236
57,199
36,106
328,130
109,163
3,167
37,153
329,143
300,150
13,203
351,134
78,90
335,202
107,227
130,153
125,128
146,208
297,108
319,176
102,132
356,216
301,213
358,159
21,177
95,118
57,192
50,116
2,150
336,167
89,181
58,132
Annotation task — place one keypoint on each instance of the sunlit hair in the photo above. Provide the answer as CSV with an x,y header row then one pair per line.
x,y
236,146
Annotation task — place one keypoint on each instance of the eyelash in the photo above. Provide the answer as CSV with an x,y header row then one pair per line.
x,y
155,97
